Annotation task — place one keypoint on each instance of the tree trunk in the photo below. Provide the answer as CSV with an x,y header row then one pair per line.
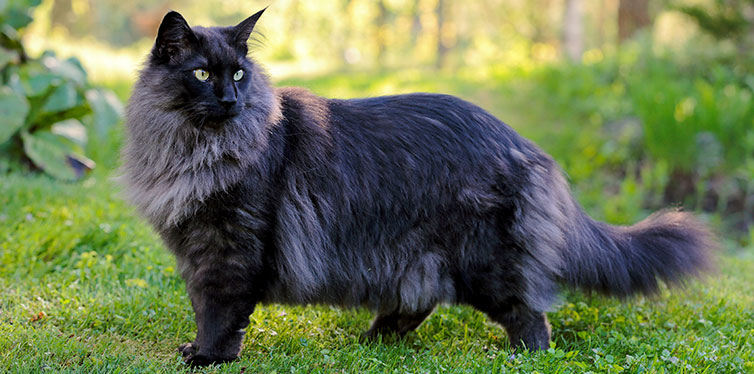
x,y
416,22
61,13
380,28
573,30
343,39
442,49
633,15
600,23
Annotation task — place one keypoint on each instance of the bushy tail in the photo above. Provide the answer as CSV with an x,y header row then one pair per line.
x,y
621,261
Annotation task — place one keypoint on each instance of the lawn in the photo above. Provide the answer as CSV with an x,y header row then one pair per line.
x,y
87,286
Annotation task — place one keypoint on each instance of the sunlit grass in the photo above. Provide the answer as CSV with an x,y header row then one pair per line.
x,y
88,287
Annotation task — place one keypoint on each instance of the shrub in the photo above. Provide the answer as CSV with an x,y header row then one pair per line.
x,y
690,120
47,107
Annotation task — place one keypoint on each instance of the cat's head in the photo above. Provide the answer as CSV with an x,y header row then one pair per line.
x,y
199,115
205,72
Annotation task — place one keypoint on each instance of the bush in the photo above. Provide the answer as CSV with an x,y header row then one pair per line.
x,y
47,107
673,131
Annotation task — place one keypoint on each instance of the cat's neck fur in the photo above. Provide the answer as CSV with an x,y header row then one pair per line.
x,y
170,166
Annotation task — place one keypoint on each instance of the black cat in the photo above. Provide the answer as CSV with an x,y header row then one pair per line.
x,y
394,203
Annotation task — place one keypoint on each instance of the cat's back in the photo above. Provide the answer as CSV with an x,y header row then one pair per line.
x,y
436,127
415,119
419,114
391,141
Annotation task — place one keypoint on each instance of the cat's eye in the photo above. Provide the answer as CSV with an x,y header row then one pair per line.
x,y
238,75
201,74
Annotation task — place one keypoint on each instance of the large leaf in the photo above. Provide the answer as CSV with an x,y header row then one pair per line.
x,y
7,56
17,17
107,109
63,97
26,3
55,155
13,110
17,13
73,130
70,69
37,79
10,37
14,80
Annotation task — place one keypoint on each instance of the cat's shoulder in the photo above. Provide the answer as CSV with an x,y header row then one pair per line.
x,y
298,96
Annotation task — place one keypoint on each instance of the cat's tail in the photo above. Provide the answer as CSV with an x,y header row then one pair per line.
x,y
625,260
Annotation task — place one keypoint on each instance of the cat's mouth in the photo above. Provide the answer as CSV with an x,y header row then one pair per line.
x,y
219,119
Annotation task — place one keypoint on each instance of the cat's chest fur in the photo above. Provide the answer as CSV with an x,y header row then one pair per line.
x,y
167,198
171,168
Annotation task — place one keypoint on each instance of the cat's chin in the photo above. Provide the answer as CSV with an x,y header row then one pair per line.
x,y
217,123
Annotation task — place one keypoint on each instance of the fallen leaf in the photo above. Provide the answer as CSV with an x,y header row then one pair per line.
x,y
38,317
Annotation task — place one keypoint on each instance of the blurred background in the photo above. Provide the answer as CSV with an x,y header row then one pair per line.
x,y
644,103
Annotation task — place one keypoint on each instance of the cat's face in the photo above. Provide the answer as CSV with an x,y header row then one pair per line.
x,y
205,69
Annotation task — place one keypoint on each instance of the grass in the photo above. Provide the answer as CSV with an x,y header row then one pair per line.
x,y
86,286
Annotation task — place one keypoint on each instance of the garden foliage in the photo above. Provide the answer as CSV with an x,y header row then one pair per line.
x,y
47,107
675,130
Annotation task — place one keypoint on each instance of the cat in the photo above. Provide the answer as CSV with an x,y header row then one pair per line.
x,y
395,203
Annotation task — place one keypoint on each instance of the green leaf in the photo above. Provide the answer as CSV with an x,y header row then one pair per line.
x,y
19,12
13,110
73,130
7,56
17,17
70,69
107,109
37,80
44,120
10,34
63,97
40,84
55,155
14,80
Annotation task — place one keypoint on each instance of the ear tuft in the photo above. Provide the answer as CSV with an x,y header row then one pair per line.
x,y
174,37
241,32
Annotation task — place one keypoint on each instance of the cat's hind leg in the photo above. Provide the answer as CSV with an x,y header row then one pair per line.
x,y
527,328
395,323
516,299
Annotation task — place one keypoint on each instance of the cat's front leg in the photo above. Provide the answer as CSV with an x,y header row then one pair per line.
x,y
222,303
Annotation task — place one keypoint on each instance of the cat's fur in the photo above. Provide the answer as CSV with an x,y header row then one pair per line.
x,y
395,203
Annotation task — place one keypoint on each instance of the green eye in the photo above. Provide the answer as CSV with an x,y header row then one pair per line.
x,y
201,74
238,75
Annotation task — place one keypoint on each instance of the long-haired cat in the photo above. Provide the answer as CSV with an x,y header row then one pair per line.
x,y
396,203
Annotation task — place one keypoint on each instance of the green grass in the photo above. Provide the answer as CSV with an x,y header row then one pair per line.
x,y
86,286
110,300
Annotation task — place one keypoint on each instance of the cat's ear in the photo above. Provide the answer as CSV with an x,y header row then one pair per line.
x,y
174,38
240,33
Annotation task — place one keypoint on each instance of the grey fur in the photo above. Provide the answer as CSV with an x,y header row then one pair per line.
x,y
169,168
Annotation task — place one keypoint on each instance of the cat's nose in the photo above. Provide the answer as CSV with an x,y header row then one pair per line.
x,y
228,103
227,96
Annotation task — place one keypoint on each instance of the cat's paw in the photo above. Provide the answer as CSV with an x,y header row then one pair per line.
x,y
369,336
186,349
198,359
372,336
194,357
